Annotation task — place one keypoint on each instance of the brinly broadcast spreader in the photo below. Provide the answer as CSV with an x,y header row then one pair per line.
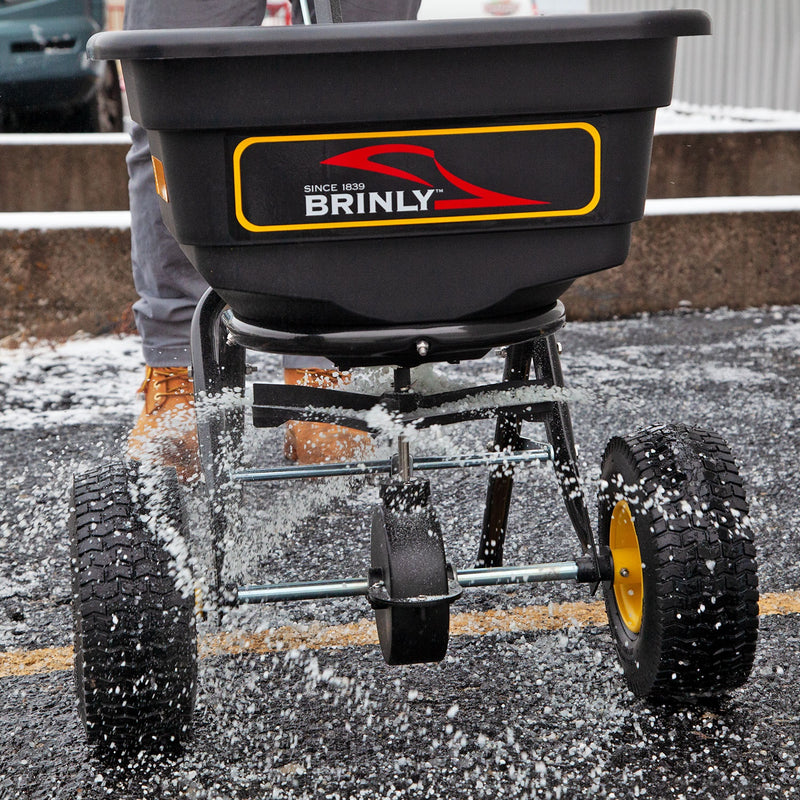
x,y
394,194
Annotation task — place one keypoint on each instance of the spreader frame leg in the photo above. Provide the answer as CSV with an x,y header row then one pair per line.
x,y
217,365
501,481
558,425
542,354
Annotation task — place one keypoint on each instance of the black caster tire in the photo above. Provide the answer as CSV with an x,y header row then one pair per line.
x,y
408,557
683,602
134,621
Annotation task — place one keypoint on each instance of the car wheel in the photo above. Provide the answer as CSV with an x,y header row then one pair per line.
x,y
103,112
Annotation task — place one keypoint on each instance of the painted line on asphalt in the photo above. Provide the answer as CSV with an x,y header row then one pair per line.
x,y
555,616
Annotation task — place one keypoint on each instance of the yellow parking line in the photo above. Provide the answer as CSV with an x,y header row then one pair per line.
x,y
34,662
361,633
315,636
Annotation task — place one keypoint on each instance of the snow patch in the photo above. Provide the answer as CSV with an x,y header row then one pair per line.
x,y
16,139
683,117
80,381
64,220
674,206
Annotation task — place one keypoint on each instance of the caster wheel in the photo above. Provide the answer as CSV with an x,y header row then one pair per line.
x,y
408,557
135,641
683,601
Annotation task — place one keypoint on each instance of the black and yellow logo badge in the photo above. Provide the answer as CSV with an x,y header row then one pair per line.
x,y
343,181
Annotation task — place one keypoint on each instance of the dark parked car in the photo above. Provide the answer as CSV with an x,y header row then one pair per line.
x,y
46,80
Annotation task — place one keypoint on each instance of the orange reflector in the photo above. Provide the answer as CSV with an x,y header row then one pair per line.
x,y
161,181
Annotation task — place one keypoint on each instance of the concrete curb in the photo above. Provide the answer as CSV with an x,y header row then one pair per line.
x,y
738,260
65,172
58,281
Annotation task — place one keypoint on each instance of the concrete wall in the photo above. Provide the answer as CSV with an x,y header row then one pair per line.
x,y
93,177
704,260
56,282
725,164
49,174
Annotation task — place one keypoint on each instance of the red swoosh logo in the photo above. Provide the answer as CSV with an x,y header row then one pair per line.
x,y
361,158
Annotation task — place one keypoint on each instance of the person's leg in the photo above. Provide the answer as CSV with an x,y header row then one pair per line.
x,y
367,10
154,14
168,285
377,10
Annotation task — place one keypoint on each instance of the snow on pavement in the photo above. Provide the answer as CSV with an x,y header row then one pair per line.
x,y
87,380
83,380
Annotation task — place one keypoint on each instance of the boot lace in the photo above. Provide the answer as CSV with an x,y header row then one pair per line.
x,y
175,383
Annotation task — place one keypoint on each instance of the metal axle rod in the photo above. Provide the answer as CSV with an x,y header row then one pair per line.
x,y
468,578
540,453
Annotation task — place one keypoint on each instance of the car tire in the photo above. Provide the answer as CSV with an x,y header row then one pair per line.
x,y
103,112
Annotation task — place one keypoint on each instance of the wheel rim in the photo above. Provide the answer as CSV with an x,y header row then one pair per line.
x,y
628,576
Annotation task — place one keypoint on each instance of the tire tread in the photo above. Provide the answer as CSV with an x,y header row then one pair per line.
x,y
704,561
135,647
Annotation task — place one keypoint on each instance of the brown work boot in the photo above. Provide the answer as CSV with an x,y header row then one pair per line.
x,y
321,442
166,432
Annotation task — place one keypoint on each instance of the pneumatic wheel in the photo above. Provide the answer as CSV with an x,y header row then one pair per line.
x,y
133,609
683,600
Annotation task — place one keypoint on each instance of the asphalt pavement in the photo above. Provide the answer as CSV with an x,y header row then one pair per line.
x,y
295,700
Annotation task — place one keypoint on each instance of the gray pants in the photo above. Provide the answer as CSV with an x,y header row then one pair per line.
x,y
167,284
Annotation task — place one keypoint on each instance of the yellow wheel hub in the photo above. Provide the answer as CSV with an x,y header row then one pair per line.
x,y
628,577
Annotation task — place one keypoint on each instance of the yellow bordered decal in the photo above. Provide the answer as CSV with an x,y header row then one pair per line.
x,y
437,220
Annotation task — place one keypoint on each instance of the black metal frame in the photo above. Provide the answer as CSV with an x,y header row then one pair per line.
x,y
219,342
